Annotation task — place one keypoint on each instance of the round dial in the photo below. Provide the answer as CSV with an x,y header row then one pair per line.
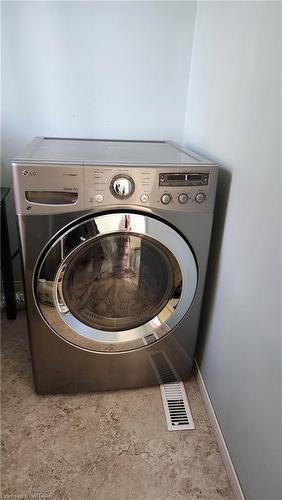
x,y
122,186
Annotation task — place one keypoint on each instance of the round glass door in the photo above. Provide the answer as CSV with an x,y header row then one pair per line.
x,y
113,281
119,281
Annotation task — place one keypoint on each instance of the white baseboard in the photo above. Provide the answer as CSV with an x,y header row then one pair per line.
x,y
232,476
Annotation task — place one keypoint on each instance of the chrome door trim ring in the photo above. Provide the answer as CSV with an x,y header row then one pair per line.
x,y
71,329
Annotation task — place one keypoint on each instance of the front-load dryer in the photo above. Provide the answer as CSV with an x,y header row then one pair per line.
x,y
115,238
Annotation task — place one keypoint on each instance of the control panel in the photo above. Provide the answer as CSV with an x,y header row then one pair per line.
x,y
59,188
189,189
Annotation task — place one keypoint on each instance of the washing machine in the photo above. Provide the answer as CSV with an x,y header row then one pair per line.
x,y
115,238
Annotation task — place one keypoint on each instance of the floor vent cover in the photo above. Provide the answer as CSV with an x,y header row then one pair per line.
x,y
176,407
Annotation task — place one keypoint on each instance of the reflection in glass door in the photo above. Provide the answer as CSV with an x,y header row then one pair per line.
x,y
120,281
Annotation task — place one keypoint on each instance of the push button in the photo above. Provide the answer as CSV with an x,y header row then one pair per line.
x,y
166,198
99,198
183,198
200,197
144,198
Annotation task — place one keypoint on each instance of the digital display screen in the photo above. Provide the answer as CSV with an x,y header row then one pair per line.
x,y
184,179
176,177
194,177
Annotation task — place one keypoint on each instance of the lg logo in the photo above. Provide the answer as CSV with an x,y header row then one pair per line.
x,y
26,172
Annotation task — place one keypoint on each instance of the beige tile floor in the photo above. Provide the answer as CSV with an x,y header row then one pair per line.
x,y
106,446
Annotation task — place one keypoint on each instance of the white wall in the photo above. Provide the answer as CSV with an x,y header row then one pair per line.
x,y
93,69
232,116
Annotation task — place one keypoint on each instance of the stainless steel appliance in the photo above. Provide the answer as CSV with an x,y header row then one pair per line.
x,y
115,238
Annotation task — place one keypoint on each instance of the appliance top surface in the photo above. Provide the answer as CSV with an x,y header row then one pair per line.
x,y
92,151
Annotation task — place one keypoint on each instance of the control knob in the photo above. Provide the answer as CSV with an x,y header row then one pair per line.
x,y
122,186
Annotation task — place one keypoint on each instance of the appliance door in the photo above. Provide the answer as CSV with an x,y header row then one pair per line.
x,y
115,282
